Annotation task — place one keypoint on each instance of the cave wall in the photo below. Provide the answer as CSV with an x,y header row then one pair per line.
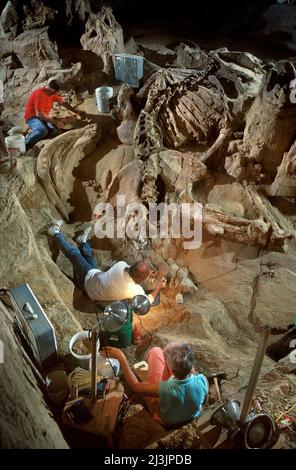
x,y
24,254
25,420
211,16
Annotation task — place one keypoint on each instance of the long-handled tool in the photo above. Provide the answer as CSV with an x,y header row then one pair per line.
x,y
217,388
216,379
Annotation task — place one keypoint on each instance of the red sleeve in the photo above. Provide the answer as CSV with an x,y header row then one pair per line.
x,y
38,102
57,98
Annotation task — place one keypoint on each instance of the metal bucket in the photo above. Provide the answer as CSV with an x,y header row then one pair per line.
x,y
227,415
103,95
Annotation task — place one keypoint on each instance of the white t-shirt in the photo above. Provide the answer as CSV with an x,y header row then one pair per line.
x,y
114,284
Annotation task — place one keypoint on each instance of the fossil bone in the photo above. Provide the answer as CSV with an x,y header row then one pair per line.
x,y
57,159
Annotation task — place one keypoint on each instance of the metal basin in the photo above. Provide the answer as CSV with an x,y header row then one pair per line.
x,y
227,415
259,432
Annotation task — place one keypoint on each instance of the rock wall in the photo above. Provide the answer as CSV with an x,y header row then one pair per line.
x,y
280,23
25,420
24,251
30,47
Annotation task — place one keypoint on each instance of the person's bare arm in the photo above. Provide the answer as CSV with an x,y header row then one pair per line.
x,y
160,285
45,118
143,388
70,108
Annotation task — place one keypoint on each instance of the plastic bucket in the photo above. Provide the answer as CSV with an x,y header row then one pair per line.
x,y
57,386
103,95
81,359
106,367
15,145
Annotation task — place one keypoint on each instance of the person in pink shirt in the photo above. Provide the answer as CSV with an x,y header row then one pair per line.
x,y
174,392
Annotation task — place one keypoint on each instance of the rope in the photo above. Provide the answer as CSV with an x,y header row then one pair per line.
x,y
80,379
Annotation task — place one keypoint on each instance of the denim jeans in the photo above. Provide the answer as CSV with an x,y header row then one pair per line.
x,y
81,258
40,130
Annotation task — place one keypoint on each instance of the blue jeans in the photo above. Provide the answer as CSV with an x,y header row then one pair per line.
x,y
81,258
40,130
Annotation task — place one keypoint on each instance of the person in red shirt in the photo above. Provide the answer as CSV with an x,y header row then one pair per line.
x,y
37,109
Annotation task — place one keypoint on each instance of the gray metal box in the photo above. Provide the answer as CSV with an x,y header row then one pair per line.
x,y
35,326
129,68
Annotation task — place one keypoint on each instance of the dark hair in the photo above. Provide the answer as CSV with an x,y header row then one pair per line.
x,y
139,271
179,357
54,85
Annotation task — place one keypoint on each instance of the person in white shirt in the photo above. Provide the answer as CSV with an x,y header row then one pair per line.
x,y
120,282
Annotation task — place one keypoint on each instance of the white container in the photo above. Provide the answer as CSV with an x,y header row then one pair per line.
x,y
84,360
106,367
103,94
81,359
15,130
15,145
57,386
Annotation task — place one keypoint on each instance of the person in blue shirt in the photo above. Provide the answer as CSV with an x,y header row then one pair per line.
x,y
174,391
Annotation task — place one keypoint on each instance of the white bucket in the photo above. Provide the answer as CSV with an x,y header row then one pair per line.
x,y
103,94
106,367
15,145
57,386
82,359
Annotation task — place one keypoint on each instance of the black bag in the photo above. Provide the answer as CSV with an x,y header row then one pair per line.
x,y
78,413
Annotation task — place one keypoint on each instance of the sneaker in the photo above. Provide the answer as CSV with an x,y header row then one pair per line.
x,y
83,237
55,228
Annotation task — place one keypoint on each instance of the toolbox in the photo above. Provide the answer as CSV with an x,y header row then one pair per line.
x,y
35,327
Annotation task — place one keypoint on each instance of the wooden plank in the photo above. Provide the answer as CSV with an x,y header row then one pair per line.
x,y
104,411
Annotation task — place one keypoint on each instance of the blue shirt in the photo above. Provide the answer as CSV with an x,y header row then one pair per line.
x,y
181,400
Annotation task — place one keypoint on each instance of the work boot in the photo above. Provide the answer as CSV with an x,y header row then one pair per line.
x,y
83,237
55,228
